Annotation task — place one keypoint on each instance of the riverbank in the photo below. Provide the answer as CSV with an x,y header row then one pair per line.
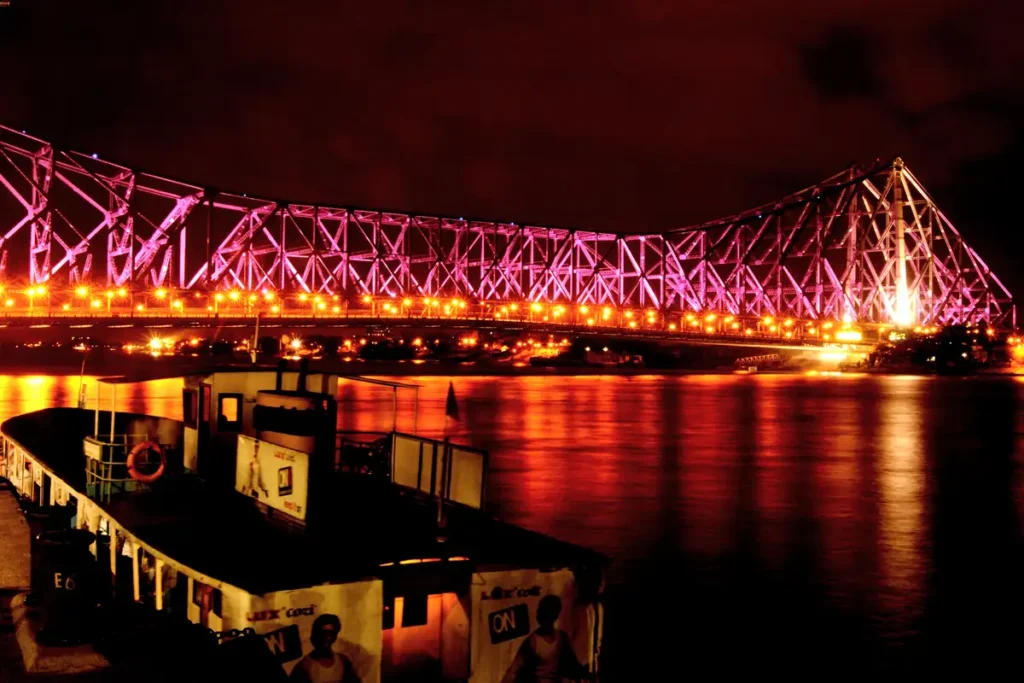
x,y
143,366
108,363
170,366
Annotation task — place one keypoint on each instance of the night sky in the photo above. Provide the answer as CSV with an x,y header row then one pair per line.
x,y
633,117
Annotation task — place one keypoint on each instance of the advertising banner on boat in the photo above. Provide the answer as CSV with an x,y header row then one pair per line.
x,y
273,475
527,627
326,633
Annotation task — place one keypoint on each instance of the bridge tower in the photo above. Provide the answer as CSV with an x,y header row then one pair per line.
x,y
903,315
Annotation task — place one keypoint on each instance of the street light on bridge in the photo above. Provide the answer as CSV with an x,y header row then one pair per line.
x,y
32,293
164,294
217,298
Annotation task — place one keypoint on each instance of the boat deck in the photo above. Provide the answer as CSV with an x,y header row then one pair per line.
x,y
221,534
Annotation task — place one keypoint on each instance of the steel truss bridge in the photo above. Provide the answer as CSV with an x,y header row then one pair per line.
x,y
867,245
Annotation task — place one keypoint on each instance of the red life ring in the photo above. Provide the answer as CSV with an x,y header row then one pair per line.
x,y
145,447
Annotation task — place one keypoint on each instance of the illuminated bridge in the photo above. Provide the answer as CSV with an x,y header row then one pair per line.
x,y
82,236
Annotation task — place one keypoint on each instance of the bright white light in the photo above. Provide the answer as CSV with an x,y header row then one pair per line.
x,y
902,317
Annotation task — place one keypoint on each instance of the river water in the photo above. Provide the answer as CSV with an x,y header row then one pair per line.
x,y
809,526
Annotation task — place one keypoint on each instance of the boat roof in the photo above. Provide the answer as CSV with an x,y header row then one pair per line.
x,y
159,374
220,533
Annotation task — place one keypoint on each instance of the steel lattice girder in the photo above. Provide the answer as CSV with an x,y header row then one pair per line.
x,y
829,251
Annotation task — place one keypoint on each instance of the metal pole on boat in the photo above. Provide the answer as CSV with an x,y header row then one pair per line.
x,y
113,409
81,381
96,423
255,340
444,475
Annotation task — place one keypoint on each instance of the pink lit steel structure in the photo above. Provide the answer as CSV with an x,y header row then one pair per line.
x,y
866,245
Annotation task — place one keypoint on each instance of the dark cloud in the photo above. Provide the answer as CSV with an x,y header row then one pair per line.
x,y
631,116
844,64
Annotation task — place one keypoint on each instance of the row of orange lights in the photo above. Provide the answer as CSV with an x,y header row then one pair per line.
x,y
455,304
693,320
557,310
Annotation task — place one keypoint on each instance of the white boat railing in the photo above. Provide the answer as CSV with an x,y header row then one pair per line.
x,y
106,464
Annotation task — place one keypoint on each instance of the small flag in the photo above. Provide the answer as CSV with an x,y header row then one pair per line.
x,y
451,407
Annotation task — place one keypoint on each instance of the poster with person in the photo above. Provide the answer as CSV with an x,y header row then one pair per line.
x,y
527,626
325,633
275,476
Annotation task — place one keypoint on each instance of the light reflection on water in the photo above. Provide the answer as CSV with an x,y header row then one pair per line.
x,y
871,519
25,393
901,483
769,510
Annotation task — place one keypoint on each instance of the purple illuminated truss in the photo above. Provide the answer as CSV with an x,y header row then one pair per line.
x,y
867,244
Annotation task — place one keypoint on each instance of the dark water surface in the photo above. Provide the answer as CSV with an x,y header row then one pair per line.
x,y
803,526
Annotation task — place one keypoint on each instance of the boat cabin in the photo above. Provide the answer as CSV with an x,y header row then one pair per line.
x,y
254,511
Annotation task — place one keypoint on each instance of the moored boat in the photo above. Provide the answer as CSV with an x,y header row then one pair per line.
x,y
371,554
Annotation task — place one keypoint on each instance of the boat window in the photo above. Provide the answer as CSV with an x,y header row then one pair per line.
x,y
174,585
204,403
229,412
122,563
414,610
208,599
190,404
147,579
